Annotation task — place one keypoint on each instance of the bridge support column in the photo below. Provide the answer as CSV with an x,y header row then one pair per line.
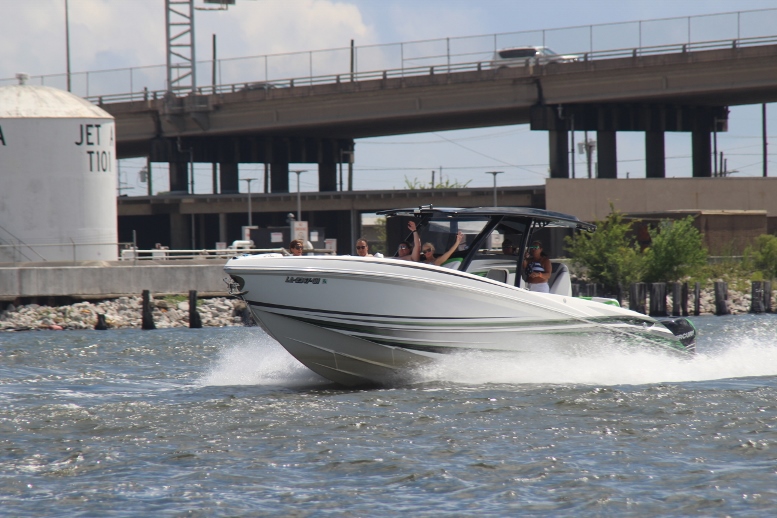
x,y
327,167
179,177
558,146
702,150
222,227
279,177
327,176
279,166
606,154
229,178
180,231
655,155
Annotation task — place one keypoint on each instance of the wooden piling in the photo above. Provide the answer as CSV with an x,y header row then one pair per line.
x,y
697,299
658,299
195,322
684,300
147,321
676,296
768,296
575,290
101,325
757,297
721,295
638,297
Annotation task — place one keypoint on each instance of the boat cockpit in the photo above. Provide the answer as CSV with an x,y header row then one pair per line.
x,y
495,238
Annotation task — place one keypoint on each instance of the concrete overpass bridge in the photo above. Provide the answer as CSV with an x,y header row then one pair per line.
x,y
282,123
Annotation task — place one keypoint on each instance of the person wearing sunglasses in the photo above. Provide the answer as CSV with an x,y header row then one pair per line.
x,y
296,247
406,251
362,250
537,267
508,248
427,251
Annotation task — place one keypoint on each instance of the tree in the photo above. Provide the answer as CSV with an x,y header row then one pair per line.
x,y
380,235
442,184
610,255
676,251
763,256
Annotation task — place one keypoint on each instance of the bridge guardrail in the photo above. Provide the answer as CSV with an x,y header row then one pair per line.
x,y
269,86
132,254
599,41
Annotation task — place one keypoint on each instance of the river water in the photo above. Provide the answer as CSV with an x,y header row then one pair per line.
x,y
223,422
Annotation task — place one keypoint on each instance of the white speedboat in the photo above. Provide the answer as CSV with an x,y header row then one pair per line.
x,y
359,321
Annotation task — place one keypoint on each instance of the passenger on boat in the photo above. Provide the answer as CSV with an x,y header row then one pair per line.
x,y
427,251
406,251
537,267
296,247
362,249
507,247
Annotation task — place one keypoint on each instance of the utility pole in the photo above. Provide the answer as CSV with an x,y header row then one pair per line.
x,y
763,131
299,199
248,183
67,46
495,173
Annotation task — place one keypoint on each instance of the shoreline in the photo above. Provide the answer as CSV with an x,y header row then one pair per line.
x,y
125,313
122,313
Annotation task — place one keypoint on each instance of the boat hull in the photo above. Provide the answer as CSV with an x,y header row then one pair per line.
x,y
371,321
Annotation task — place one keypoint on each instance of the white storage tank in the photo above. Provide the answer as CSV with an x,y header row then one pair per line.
x,y
57,177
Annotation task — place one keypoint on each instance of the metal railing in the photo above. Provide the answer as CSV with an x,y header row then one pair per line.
x,y
601,41
270,86
36,252
133,254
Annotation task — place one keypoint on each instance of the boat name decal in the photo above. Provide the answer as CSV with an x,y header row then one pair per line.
x,y
305,280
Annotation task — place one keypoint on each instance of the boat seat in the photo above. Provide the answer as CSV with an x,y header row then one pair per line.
x,y
560,281
497,274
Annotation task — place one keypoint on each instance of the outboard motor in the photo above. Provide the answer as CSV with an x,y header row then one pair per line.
x,y
683,329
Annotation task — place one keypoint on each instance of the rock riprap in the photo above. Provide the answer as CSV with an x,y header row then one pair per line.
x,y
121,313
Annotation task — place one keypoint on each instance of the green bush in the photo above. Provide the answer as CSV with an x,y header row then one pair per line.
x,y
763,256
610,255
676,251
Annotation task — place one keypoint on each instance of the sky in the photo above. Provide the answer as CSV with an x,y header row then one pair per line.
x,y
114,35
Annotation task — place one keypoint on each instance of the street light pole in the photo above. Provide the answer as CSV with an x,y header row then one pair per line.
x,y
299,200
494,173
248,183
67,45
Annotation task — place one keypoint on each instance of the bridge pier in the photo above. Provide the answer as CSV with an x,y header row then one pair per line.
x,y
228,176
655,155
606,154
558,146
179,177
230,151
702,153
608,119
327,166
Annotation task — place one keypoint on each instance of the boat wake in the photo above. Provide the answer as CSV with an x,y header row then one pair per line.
x,y
257,359
748,358
740,349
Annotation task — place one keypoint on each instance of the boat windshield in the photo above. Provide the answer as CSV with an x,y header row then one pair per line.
x,y
442,234
507,234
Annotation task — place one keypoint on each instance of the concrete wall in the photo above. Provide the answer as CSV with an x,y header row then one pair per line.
x,y
590,200
115,279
